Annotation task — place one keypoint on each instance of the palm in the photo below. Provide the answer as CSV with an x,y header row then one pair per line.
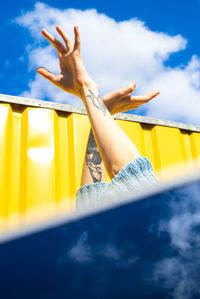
x,y
121,100
66,79
72,70
73,74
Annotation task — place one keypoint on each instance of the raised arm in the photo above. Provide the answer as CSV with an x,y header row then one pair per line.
x,y
115,147
73,75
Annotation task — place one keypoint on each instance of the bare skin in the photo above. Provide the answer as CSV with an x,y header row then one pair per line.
x,y
73,75
117,101
115,147
122,100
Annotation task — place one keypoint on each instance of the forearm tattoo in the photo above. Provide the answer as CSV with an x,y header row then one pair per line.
x,y
93,159
97,102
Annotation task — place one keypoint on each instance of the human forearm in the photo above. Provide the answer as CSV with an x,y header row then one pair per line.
x,y
115,147
93,167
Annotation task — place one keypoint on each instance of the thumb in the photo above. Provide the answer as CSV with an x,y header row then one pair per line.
x,y
47,74
128,89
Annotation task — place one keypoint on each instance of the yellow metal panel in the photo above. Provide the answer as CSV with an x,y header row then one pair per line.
x,y
186,145
62,165
13,199
5,111
195,143
169,145
42,153
71,155
134,131
148,143
40,158
81,134
156,150
188,160
172,150
23,166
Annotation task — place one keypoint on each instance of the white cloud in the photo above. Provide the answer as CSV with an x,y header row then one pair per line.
x,y
84,251
81,251
179,277
116,53
178,271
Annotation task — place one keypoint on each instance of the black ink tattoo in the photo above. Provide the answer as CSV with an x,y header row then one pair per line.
x,y
97,102
93,159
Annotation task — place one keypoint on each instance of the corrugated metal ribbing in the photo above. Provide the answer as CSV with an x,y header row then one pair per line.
x,y
42,152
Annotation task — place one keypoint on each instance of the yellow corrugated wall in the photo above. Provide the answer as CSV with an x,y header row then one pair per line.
x,y
42,153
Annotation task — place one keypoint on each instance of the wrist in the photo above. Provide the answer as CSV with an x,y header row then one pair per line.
x,y
86,86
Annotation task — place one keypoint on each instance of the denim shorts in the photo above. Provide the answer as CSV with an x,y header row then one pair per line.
x,y
136,175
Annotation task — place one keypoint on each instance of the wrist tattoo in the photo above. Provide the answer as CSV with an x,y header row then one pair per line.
x,y
93,159
97,102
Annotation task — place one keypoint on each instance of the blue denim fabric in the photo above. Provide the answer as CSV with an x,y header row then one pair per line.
x,y
136,175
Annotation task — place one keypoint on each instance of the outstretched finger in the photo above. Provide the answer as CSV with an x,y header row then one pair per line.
x,y
47,75
147,97
55,42
77,41
127,90
67,40
120,93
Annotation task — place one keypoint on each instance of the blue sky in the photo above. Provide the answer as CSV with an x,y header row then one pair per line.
x,y
173,18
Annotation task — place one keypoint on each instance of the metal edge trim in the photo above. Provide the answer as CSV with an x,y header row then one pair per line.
x,y
80,110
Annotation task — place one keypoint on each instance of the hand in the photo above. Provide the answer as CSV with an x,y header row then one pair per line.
x,y
73,75
121,100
